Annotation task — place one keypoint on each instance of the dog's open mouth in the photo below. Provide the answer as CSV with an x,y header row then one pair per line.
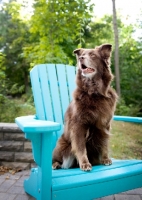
x,y
86,69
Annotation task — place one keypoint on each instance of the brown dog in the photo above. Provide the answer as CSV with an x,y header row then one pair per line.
x,y
88,117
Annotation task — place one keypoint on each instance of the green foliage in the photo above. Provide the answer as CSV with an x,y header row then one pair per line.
x,y
99,32
56,28
10,109
3,80
13,37
17,89
131,73
130,53
127,110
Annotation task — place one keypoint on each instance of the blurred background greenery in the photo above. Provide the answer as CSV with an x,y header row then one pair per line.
x,y
49,33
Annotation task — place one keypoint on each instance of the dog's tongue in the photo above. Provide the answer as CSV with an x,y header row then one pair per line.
x,y
88,70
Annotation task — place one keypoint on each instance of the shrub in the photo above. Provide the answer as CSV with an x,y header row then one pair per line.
x,y
127,110
12,108
8,109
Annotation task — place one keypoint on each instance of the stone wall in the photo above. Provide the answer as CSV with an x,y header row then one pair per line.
x,y
15,150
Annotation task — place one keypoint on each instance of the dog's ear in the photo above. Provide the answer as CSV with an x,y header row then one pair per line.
x,y
105,50
105,53
78,51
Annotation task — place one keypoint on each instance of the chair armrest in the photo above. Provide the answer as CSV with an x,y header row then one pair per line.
x,y
30,124
127,119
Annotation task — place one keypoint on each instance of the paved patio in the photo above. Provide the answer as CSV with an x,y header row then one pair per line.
x,y
11,188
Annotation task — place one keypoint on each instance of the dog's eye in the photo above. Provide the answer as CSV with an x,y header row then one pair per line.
x,y
92,54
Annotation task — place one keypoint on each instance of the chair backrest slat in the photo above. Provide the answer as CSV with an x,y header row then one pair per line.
x,y
52,85
71,79
63,87
54,89
37,93
45,92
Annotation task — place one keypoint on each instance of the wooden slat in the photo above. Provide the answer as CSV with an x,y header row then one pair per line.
x,y
99,189
71,79
37,93
54,90
46,92
73,172
89,178
63,88
42,96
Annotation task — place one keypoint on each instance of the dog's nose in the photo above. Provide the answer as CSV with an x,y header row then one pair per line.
x,y
81,57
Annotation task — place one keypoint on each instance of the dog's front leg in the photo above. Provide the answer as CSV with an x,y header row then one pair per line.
x,y
78,143
105,160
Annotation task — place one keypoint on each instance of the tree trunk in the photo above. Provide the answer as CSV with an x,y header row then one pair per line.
x,y
116,57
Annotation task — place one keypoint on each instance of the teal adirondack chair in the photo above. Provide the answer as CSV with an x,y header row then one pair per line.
x,y
52,90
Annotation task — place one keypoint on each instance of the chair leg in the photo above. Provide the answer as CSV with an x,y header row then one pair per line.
x,y
31,184
45,171
39,183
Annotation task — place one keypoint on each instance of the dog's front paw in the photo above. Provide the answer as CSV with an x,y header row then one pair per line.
x,y
86,166
56,165
107,161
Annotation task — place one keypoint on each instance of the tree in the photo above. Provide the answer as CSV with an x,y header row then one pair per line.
x,y
2,75
14,35
99,32
57,27
130,55
116,38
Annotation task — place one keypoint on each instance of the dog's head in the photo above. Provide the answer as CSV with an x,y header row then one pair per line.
x,y
91,61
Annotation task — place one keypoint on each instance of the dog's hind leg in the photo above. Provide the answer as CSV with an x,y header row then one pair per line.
x,y
68,162
56,159
62,157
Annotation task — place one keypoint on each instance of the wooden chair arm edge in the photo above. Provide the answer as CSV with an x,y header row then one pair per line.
x,y
127,119
29,124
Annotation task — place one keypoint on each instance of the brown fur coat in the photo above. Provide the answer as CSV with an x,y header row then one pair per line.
x,y
88,117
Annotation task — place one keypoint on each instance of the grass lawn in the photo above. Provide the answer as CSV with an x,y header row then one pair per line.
x,y
126,140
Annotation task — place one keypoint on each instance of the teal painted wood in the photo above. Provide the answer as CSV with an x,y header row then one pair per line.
x,y
63,87
56,102
67,182
33,129
71,79
40,133
54,92
51,95
29,124
47,97
73,172
45,171
39,183
45,92
36,145
36,88
97,190
128,119
101,181
31,184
